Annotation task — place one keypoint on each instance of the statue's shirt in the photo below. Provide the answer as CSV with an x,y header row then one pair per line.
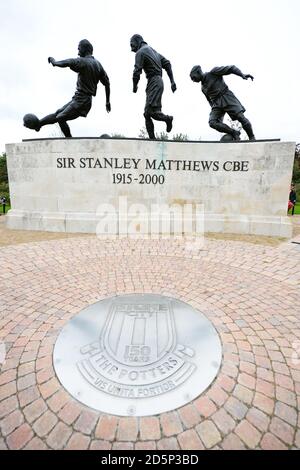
x,y
214,87
150,61
218,93
90,72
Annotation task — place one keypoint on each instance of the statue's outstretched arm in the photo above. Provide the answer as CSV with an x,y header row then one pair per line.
x,y
231,69
245,77
238,72
60,63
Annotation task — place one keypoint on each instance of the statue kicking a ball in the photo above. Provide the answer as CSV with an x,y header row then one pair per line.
x,y
90,72
222,100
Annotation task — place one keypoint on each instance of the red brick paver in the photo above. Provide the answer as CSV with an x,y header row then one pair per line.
x,y
209,434
249,292
106,428
128,429
149,429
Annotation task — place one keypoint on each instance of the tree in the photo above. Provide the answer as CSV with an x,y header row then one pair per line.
x,y
180,137
162,136
4,187
3,169
143,134
55,132
297,154
296,169
117,136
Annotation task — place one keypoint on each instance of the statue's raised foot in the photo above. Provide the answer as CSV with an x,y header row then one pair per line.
x,y
169,123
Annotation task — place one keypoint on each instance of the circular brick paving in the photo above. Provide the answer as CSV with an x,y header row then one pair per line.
x,y
250,293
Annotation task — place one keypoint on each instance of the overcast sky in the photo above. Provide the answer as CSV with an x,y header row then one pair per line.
x,y
261,37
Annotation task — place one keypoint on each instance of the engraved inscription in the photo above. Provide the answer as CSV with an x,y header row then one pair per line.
x,y
128,170
137,355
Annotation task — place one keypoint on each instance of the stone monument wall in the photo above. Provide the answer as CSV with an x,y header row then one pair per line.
x,y
67,185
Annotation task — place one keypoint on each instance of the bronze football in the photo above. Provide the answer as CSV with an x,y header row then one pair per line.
x,y
31,121
227,138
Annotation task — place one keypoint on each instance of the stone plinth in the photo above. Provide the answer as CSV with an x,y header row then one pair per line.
x,y
70,184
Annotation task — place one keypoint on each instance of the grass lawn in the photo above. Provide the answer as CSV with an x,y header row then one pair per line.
x,y
7,207
297,208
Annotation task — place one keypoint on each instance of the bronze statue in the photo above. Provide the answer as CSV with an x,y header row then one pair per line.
x,y
90,72
222,100
152,63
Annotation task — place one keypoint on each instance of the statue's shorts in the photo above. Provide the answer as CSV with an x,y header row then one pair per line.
x,y
154,91
80,105
226,103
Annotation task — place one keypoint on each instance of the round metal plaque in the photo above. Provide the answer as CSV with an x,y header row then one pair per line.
x,y
137,355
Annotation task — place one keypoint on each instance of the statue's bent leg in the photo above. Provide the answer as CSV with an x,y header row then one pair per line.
x,y
67,113
159,116
65,128
220,126
216,122
50,119
246,124
53,119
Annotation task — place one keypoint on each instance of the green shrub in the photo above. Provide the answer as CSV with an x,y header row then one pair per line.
x,y
4,187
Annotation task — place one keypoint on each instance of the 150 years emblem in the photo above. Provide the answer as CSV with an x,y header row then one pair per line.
x,y
137,355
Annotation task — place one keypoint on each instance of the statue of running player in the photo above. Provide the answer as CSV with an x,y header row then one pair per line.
x,y
222,100
90,72
152,63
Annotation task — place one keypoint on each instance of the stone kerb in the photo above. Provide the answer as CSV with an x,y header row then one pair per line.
x,y
62,184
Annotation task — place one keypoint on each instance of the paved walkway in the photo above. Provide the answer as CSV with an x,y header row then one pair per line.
x,y
249,292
